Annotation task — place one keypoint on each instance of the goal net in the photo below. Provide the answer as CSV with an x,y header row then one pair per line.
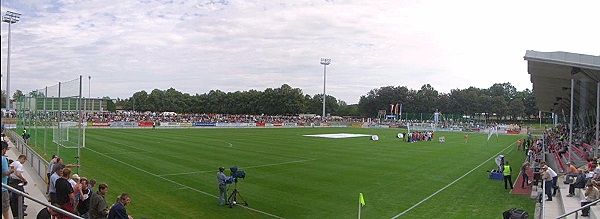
x,y
66,134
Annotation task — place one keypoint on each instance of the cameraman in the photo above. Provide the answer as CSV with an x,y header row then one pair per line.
x,y
222,182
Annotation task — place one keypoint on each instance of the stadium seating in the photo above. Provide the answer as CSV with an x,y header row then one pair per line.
x,y
580,153
568,204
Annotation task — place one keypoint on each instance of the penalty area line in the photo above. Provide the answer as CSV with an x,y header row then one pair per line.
x,y
179,184
452,183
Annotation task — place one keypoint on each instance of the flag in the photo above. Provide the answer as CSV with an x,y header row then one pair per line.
x,y
496,130
361,199
400,111
396,109
391,108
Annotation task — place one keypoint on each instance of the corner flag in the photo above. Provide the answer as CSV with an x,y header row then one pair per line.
x,y
361,199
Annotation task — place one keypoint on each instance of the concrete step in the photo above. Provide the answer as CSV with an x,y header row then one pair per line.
x,y
571,203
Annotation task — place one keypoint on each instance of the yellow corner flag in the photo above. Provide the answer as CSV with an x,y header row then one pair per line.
x,y
361,199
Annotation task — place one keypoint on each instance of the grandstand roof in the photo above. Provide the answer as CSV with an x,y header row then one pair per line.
x,y
551,74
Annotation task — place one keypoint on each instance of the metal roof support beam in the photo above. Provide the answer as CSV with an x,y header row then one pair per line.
x,y
597,118
571,122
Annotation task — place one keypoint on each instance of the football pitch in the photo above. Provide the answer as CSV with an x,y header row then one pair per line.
x,y
171,173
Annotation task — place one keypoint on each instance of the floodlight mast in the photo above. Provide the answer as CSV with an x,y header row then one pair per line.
x,y
10,18
325,62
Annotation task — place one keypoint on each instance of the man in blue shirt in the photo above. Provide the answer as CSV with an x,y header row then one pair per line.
x,y
222,182
118,211
5,173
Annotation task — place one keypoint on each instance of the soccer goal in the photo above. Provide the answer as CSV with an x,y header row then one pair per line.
x,y
66,134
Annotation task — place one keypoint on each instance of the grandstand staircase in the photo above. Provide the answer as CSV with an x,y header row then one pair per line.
x,y
562,204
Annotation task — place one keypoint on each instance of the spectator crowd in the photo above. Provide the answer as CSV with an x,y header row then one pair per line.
x,y
65,190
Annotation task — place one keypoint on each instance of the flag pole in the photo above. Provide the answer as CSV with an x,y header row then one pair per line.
x,y
361,202
359,210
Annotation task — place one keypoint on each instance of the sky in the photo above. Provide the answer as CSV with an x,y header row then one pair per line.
x,y
195,46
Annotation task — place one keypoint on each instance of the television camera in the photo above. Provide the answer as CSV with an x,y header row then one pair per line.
x,y
236,174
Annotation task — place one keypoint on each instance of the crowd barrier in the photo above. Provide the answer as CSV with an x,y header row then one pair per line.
x,y
36,161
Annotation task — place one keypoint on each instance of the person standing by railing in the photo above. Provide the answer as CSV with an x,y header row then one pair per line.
x,y
98,207
65,197
591,194
547,182
5,173
118,211
17,181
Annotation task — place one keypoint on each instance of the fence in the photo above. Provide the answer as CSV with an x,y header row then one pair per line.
x,y
49,118
37,162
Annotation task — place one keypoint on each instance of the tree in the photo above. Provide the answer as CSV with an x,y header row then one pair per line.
x,y
17,95
504,90
427,99
3,99
501,99
516,109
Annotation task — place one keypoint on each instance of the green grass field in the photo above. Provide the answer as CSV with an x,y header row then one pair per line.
x,y
170,173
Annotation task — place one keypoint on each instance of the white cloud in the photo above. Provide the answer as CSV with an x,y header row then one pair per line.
x,y
197,46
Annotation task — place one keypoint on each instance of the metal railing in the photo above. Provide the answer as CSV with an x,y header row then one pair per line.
x,y
20,196
576,211
37,162
543,199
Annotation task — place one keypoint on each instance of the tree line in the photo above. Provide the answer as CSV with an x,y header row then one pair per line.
x,y
501,99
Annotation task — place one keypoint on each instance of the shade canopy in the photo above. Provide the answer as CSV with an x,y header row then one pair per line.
x,y
551,74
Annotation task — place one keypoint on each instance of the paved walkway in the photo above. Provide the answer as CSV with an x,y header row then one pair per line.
x,y
518,182
36,187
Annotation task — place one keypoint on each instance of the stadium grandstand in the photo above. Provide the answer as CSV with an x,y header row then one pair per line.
x,y
568,85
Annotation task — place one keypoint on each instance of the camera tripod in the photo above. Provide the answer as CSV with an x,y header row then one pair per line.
x,y
232,200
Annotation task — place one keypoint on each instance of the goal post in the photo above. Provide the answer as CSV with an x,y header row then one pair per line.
x,y
66,134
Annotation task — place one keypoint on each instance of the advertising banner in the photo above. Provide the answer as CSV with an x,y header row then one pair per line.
x,y
123,124
145,124
260,124
224,124
185,124
100,124
289,124
170,124
204,124
130,124
277,124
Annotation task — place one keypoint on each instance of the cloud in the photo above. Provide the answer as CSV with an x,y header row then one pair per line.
x,y
203,45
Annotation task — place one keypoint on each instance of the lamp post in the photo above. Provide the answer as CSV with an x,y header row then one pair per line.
x,y
10,18
90,91
325,62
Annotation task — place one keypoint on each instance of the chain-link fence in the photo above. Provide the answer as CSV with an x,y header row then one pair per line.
x,y
49,120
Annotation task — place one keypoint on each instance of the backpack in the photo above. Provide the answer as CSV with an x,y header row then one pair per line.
x,y
515,213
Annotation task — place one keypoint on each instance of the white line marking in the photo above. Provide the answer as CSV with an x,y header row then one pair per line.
x,y
126,145
265,165
130,152
459,178
179,184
